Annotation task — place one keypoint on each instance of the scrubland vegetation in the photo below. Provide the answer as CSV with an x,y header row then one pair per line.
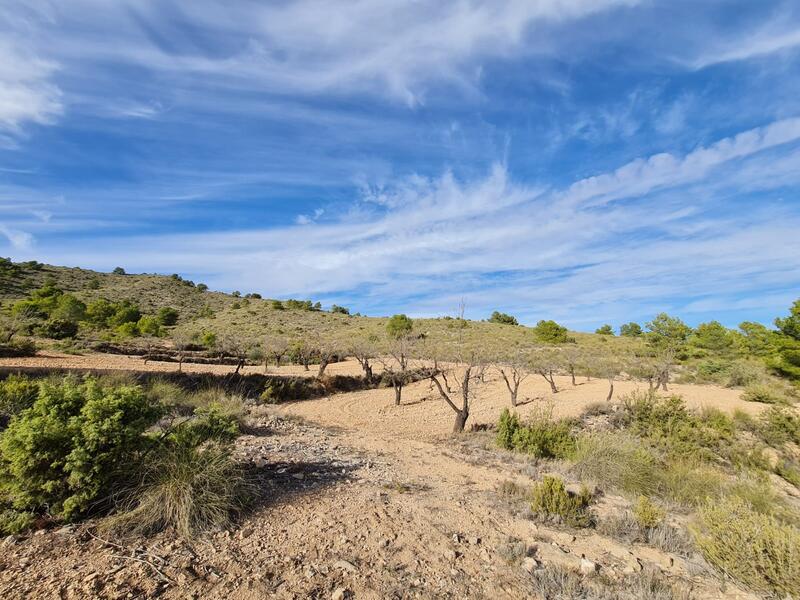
x,y
155,456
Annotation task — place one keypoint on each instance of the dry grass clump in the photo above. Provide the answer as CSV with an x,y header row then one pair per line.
x,y
555,582
627,528
764,393
191,489
616,461
755,549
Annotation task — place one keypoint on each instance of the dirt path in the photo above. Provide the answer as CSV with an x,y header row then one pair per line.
x,y
361,498
344,511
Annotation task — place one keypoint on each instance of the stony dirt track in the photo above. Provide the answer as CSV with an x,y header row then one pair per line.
x,y
359,498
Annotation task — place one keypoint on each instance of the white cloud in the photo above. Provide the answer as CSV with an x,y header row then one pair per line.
x,y
20,240
500,244
26,93
765,41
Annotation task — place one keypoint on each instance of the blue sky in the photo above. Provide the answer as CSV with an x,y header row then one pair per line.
x,y
589,161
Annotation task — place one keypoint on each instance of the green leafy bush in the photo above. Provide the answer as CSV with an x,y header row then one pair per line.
x,y
58,329
551,332
149,325
125,312
127,330
752,548
398,326
503,319
17,393
167,316
69,449
779,425
13,521
540,436
550,498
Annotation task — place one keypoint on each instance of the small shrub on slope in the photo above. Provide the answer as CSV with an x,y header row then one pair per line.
x,y
550,498
616,461
754,549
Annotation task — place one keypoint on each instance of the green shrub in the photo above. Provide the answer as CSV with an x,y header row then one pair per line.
x,y
743,373
752,548
69,449
127,330
543,437
790,471
550,498
125,312
616,461
647,514
551,332
58,329
503,319
507,428
100,312
399,326
764,393
17,393
149,325
13,521
779,425
168,316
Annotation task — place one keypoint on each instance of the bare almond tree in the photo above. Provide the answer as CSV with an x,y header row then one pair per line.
x,y
546,362
364,351
275,347
514,370
609,367
574,359
395,365
457,384
181,341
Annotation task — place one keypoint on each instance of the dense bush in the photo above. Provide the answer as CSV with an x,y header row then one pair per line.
x,y
503,319
58,329
550,498
398,326
605,330
630,329
647,514
167,316
540,436
755,549
551,332
72,446
149,325
779,425
16,394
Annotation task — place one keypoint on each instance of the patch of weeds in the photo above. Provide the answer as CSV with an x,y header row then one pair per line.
x,y
556,582
790,471
778,425
752,548
764,393
550,499
15,521
513,550
690,482
647,514
616,461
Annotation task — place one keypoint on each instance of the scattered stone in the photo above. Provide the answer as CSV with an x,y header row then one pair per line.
x,y
588,567
298,475
456,538
474,540
65,530
245,533
529,564
451,555
260,462
340,594
345,565
90,577
9,541
40,532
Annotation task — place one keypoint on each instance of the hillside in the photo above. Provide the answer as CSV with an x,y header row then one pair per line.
x,y
254,318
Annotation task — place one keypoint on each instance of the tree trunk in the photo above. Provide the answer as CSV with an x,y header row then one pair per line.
x,y
305,364
239,365
180,362
461,421
398,392
266,366
572,374
610,391
322,366
548,377
514,398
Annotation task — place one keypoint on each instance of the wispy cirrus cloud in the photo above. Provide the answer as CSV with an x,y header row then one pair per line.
x,y
495,241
